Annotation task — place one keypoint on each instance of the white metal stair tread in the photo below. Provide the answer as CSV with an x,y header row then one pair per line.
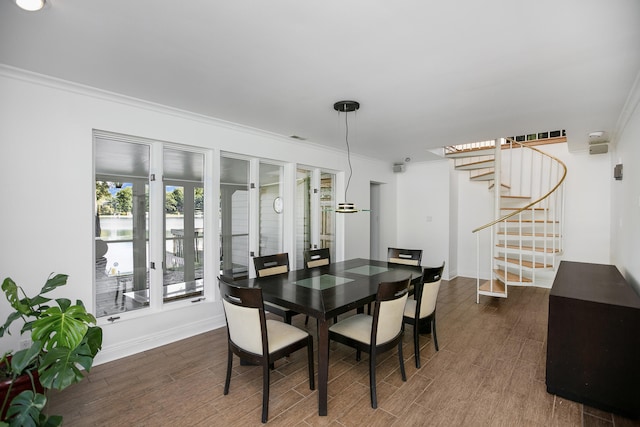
x,y
529,248
482,164
483,177
512,277
528,234
524,263
498,289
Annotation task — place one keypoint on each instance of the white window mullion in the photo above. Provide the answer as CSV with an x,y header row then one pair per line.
x,y
315,208
288,189
211,222
254,212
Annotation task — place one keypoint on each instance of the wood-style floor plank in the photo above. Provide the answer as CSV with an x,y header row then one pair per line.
x,y
490,370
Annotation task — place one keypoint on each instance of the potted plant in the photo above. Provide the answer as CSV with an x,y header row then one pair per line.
x,y
64,339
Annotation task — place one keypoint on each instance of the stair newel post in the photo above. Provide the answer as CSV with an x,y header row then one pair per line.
x,y
497,170
520,246
477,268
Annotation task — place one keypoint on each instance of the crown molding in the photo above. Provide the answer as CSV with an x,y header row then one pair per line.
x,y
629,108
93,92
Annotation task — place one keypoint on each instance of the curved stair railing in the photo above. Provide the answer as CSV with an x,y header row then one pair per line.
x,y
524,241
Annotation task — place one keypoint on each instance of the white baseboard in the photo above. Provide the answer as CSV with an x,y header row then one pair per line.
x,y
180,332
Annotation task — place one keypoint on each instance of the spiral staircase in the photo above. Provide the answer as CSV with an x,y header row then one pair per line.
x,y
522,245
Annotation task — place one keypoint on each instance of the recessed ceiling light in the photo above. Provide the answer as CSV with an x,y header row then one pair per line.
x,y
30,5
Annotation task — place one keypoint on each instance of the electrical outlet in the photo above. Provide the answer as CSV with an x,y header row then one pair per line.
x,y
24,344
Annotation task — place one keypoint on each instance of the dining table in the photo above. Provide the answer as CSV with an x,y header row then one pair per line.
x,y
326,292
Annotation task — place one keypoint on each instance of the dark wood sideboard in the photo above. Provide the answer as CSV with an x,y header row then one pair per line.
x,y
593,341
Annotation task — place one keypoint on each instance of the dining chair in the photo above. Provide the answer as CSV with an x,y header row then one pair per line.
x,y
316,258
256,339
376,333
404,256
270,265
422,307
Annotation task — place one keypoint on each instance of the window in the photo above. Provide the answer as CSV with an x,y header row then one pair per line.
x,y
127,200
315,212
303,214
327,212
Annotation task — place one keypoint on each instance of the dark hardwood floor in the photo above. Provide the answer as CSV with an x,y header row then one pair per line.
x,y
490,370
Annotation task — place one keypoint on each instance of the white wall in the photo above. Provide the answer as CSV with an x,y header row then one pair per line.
x,y
46,169
423,211
625,198
587,211
475,208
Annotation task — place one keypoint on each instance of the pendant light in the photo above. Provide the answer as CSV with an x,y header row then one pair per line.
x,y
347,107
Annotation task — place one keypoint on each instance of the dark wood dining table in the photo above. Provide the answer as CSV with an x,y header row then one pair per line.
x,y
328,291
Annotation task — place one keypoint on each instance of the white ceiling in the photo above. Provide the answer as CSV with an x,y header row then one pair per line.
x,y
427,73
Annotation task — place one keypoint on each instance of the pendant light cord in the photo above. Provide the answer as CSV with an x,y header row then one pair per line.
x,y
346,138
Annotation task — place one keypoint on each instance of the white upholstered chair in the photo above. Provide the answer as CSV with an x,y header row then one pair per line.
x,y
376,333
256,339
422,307
316,258
270,265
404,256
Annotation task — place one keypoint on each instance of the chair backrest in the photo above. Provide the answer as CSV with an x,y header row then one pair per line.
x,y
404,256
269,265
427,293
316,258
389,310
244,312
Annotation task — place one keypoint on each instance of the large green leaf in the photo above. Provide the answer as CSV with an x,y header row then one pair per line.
x,y
25,409
59,367
93,338
5,328
10,290
27,308
54,282
52,421
26,358
62,326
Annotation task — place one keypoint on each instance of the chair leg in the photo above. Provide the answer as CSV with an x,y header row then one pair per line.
x,y
433,330
265,390
227,381
306,320
312,383
401,358
358,354
287,318
416,343
372,378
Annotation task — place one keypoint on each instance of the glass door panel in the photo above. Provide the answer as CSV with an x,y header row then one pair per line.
x,y
183,272
270,209
121,229
303,215
234,218
327,212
